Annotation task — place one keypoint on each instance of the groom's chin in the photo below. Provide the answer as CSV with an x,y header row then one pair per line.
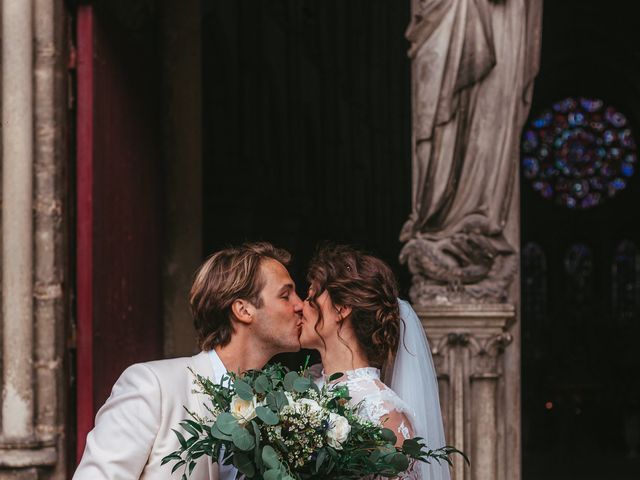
x,y
294,348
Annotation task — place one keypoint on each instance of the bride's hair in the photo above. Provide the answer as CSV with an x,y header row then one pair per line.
x,y
367,285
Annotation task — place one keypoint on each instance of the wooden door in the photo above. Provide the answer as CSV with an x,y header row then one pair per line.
x,y
118,207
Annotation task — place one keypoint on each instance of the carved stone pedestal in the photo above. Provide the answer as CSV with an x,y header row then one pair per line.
x,y
468,343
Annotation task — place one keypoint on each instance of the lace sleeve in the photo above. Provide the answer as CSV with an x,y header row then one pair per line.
x,y
379,404
400,424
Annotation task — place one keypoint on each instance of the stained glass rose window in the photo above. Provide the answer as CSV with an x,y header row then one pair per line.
x,y
579,152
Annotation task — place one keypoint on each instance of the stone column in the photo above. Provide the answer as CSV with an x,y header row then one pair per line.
x,y
17,220
33,230
468,342
473,66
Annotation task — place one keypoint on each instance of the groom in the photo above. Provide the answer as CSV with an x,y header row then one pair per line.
x,y
245,310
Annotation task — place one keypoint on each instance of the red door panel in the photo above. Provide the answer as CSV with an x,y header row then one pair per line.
x,y
118,205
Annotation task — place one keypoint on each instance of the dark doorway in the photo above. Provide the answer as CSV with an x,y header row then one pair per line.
x,y
306,125
580,263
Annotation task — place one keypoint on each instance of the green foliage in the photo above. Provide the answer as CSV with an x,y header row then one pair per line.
x,y
286,441
267,416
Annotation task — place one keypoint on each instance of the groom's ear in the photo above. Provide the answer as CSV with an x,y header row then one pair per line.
x,y
243,310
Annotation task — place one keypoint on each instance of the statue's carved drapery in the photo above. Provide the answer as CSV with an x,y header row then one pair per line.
x,y
473,64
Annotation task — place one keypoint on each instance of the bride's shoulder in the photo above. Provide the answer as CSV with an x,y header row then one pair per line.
x,y
392,400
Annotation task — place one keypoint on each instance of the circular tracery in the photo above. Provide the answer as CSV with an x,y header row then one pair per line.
x,y
578,153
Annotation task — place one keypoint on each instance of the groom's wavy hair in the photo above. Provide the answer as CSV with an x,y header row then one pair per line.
x,y
228,275
367,285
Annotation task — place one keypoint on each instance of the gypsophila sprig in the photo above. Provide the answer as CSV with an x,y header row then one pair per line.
x,y
276,424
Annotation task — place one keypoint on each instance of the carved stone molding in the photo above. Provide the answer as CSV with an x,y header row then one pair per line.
x,y
27,453
468,343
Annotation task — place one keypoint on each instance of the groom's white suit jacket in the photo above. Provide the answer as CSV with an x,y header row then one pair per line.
x,y
132,431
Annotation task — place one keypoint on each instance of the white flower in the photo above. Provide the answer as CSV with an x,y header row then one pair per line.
x,y
289,398
306,405
339,430
243,410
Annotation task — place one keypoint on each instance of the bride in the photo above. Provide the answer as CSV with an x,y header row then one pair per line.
x,y
353,317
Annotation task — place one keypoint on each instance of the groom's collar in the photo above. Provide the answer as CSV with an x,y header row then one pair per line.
x,y
218,367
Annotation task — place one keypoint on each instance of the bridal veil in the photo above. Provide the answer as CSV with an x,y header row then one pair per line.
x,y
413,378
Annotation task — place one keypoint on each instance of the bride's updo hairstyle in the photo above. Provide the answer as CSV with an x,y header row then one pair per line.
x,y
367,285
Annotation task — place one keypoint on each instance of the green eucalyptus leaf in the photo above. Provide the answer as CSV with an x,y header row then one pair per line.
x,y
257,451
244,464
243,389
375,456
270,457
262,384
256,432
242,439
289,378
281,400
267,416
388,436
216,433
301,384
399,462
335,376
227,423
270,399
272,474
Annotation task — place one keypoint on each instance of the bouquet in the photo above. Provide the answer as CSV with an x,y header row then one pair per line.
x,y
275,424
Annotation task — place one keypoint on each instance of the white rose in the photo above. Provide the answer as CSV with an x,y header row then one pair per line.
x,y
306,405
339,430
243,410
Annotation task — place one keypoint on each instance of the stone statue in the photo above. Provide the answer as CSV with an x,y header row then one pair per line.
x,y
473,65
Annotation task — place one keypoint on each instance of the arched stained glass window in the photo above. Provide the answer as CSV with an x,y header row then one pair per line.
x,y
626,283
578,263
579,152
578,312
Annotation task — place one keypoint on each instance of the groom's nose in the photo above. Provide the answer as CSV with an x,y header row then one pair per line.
x,y
297,303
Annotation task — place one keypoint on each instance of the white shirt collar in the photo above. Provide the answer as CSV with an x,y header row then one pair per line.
x,y
218,367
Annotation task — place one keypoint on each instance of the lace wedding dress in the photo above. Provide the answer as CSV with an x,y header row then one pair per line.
x,y
378,404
